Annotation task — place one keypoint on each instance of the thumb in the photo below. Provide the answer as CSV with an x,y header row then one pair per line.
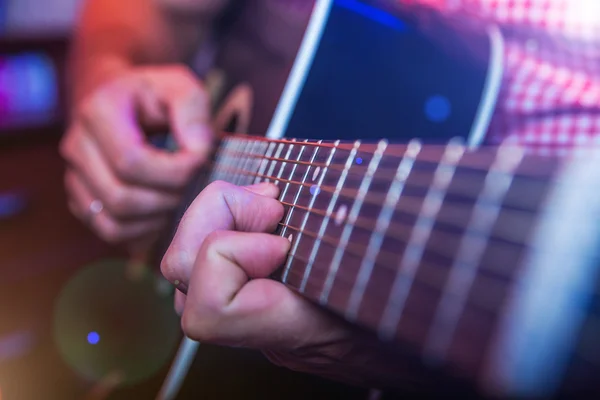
x,y
190,121
188,105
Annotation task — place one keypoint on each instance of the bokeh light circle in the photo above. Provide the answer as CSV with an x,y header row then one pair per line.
x,y
438,108
106,322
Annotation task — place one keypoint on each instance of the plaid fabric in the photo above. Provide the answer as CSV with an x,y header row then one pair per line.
x,y
550,97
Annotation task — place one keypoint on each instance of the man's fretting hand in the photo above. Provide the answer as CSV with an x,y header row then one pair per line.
x,y
222,255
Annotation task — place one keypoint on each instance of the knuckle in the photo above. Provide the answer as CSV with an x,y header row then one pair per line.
x,y
199,326
126,163
210,249
212,239
109,231
218,187
167,265
172,262
117,201
92,106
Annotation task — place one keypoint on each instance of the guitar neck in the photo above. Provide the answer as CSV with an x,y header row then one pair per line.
x,y
423,245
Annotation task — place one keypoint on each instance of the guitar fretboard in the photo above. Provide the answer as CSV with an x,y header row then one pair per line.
x,y
421,244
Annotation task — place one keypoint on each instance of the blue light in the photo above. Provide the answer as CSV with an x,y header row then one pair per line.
x,y
373,13
359,160
93,338
438,108
315,190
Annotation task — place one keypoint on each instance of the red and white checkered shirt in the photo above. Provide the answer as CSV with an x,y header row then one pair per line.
x,y
550,96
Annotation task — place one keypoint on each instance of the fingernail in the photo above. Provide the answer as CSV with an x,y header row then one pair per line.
x,y
198,138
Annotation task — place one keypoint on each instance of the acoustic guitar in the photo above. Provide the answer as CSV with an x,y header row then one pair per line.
x,y
481,260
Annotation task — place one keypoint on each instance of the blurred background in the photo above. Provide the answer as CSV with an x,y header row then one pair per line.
x,y
59,338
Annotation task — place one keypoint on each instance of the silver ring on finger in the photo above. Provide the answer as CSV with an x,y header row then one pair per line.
x,y
94,209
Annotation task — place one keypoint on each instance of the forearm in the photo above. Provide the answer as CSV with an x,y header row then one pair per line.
x,y
115,34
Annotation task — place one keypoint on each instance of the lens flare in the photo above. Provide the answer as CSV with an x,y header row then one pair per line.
x,y
93,338
105,321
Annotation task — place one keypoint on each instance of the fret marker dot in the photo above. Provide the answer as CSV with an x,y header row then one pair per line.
x,y
359,160
315,190
341,214
290,238
316,173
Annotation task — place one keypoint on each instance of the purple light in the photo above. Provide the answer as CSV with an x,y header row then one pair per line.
x,y
359,160
315,190
93,338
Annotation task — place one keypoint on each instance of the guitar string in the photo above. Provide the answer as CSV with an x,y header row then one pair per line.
x,y
353,250
523,183
432,159
522,201
399,227
488,297
344,277
507,213
395,228
401,145
383,173
295,256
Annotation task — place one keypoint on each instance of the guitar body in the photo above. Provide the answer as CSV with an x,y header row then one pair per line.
x,y
347,73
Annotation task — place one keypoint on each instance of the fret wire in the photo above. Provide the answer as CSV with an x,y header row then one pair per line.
x,y
383,172
275,158
264,163
334,242
246,161
347,231
282,167
470,252
273,165
241,145
429,156
259,150
299,236
231,174
307,142
226,162
418,281
449,222
286,188
475,303
329,211
381,226
420,234
217,170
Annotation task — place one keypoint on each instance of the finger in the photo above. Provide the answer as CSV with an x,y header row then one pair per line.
x,y
120,199
109,229
110,116
224,307
187,104
221,206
